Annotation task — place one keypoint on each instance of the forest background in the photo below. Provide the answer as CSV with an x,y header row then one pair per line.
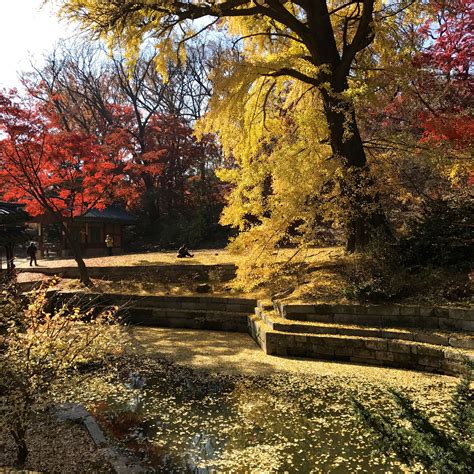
x,y
239,120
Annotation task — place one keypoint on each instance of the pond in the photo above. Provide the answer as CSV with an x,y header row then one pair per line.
x,y
180,419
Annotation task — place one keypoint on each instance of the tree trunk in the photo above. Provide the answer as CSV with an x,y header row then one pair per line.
x,y
19,435
77,252
364,213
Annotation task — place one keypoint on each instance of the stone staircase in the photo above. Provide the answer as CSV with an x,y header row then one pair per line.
x,y
394,336
439,340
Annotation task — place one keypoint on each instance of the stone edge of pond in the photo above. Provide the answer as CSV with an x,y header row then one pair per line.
x,y
119,463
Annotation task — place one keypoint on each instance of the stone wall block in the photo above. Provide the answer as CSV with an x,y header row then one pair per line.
x,y
345,351
440,312
452,324
192,305
428,322
400,347
466,342
409,310
429,351
298,309
334,341
466,325
365,353
319,349
319,318
461,313
429,361
384,355
405,359
323,309
387,334
345,309
364,332
345,318
435,339
377,345
238,308
383,310
427,311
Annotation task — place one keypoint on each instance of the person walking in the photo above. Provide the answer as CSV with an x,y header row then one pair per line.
x,y
109,243
31,252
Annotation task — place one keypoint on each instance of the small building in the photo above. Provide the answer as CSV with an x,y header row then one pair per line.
x,y
89,230
12,232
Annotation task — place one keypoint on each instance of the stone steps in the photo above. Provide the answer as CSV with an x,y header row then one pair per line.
x,y
436,337
410,344
443,318
361,349
198,303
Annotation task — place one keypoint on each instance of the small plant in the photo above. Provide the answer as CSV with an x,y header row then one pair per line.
x,y
46,356
416,440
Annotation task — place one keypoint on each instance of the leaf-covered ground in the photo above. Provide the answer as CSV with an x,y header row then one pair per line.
x,y
56,447
214,402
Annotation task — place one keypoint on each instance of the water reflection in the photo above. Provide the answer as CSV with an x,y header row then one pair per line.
x,y
182,420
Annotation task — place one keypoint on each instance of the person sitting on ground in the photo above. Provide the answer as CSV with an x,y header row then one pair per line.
x,y
31,252
184,252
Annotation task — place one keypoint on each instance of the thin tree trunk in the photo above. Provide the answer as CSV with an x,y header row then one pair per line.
x,y
77,253
19,435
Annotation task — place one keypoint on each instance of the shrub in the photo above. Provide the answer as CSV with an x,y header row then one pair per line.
x,y
47,356
443,236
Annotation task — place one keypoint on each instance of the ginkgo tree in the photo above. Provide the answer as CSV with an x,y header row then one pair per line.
x,y
280,45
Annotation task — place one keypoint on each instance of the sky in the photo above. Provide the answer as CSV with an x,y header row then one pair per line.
x,y
27,32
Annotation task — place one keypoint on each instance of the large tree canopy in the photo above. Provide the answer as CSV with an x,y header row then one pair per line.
x,y
306,94
280,47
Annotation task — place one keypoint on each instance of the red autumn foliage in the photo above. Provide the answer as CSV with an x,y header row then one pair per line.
x,y
51,170
434,102
449,58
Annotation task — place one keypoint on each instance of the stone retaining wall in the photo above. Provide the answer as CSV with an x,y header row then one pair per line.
x,y
371,351
163,273
209,320
192,312
237,314
212,303
444,318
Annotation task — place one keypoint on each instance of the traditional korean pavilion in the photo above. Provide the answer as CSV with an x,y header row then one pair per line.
x,y
89,229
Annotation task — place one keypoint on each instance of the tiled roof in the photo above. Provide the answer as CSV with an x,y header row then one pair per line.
x,y
12,212
112,213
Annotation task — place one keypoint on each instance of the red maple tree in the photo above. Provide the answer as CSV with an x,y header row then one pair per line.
x,y
62,174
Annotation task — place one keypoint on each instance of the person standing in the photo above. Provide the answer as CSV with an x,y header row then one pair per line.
x,y
31,252
109,243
